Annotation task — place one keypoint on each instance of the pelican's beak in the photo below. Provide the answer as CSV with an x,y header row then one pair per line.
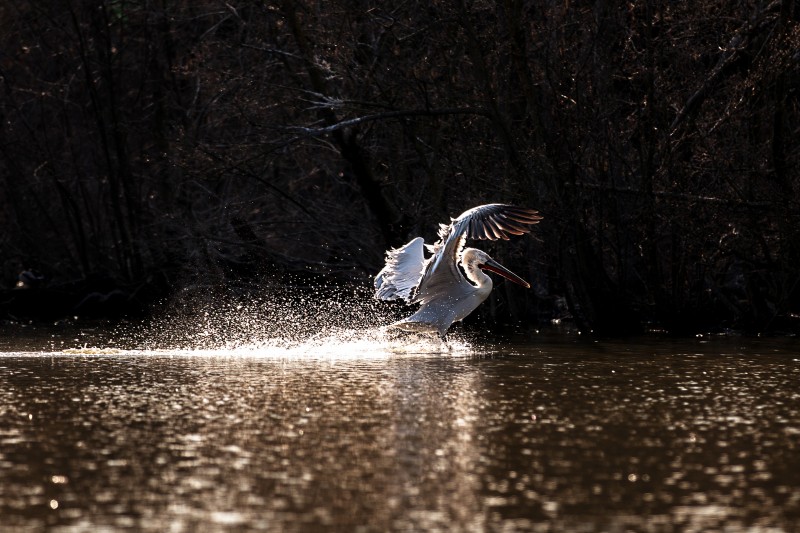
x,y
493,266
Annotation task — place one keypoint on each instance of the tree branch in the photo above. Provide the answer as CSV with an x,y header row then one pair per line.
x,y
730,56
343,124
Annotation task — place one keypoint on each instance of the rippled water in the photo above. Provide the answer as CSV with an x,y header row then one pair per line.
x,y
542,434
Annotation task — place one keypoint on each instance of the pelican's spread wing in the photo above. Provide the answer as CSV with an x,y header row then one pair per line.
x,y
485,222
495,221
402,273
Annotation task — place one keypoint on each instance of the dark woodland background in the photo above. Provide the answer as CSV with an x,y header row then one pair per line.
x,y
152,146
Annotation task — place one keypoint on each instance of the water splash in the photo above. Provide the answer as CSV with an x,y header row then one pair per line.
x,y
282,323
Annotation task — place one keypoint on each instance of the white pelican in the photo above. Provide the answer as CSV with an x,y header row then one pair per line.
x,y
451,283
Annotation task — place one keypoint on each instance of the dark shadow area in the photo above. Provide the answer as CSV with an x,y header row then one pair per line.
x,y
148,149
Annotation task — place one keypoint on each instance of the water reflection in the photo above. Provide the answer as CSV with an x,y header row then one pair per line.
x,y
593,437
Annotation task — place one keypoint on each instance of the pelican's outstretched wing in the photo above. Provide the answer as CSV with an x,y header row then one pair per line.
x,y
495,221
403,270
486,222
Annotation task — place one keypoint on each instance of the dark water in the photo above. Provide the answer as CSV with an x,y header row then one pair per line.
x,y
546,435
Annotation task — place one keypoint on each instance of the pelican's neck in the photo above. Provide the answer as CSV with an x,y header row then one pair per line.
x,y
469,262
478,277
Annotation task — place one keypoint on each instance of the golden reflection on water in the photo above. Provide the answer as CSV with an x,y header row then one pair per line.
x,y
552,436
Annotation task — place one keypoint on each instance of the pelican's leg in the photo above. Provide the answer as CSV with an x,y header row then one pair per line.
x,y
443,338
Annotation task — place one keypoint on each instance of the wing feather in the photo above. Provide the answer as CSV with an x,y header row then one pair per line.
x,y
496,221
402,273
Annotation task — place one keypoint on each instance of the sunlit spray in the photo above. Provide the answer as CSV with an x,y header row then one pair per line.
x,y
326,322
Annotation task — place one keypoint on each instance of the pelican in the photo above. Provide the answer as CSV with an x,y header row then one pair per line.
x,y
451,283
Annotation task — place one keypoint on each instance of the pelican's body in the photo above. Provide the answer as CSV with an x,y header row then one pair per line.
x,y
451,283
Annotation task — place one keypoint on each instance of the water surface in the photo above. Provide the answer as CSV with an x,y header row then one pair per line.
x,y
536,434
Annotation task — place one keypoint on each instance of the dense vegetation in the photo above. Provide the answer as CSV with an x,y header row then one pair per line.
x,y
160,145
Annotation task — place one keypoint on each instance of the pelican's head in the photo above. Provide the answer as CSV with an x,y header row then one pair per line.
x,y
474,260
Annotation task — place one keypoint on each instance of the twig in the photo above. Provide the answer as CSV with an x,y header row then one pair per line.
x,y
315,132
